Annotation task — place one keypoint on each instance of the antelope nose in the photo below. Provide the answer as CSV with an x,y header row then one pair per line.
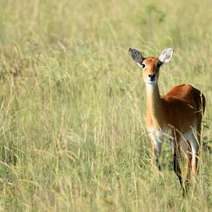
x,y
152,77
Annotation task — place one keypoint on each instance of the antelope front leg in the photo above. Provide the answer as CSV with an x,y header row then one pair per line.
x,y
157,150
156,146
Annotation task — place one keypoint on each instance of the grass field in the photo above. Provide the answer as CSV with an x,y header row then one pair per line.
x,y
72,103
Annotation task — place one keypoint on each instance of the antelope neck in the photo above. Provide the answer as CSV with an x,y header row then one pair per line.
x,y
154,104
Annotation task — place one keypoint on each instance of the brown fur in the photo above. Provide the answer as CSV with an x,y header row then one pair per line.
x,y
180,110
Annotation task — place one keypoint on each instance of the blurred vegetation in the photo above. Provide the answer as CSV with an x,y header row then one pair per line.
x,y
72,103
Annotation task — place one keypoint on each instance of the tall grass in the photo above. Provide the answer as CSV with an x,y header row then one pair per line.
x,y
72,103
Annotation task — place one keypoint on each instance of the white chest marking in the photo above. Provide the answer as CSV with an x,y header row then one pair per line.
x,y
155,133
157,136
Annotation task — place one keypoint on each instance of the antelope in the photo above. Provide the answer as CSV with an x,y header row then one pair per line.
x,y
177,114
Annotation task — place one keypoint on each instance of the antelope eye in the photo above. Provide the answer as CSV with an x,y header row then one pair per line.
x,y
143,65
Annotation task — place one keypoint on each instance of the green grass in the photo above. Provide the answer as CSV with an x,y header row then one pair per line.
x,y
72,103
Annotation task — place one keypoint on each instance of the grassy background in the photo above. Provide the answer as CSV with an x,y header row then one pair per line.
x,y
72,103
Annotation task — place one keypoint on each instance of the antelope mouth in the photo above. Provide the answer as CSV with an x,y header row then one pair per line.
x,y
151,82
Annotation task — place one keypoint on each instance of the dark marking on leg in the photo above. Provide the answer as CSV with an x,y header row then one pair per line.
x,y
158,164
176,156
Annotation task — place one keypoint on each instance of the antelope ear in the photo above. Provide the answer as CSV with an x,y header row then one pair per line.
x,y
166,55
136,55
